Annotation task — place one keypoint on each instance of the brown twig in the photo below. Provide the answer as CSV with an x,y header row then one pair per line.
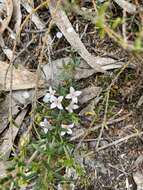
x,y
120,140
107,101
109,122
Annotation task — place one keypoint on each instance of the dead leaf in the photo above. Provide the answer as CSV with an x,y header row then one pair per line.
x,y
7,51
25,97
4,112
89,109
140,102
89,93
56,70
127,6
10,135
138,175
20,97
83,70
22,78
138,178
9,10
63,23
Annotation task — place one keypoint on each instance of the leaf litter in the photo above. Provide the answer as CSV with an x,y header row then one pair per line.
x,y
23,89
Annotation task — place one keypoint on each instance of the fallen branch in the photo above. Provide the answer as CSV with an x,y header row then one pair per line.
x,y
120,140
87,131
61,20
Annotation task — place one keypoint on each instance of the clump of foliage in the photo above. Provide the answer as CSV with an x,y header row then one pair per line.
x,y
45,158
109,18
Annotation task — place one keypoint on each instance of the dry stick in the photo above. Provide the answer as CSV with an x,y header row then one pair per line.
x,y
11,66
18,34
107,100
104,119
119,141
24,49
35,19
50,63
110,122
84,32
125,173
124,26
39,66
41,56
94,5
116,37
38,78
34,155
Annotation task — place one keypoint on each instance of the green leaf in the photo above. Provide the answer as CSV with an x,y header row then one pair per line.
x,y
116,22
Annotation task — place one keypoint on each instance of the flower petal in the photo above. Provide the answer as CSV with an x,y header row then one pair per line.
x,y
69,131
46,98
71,125
60,106
69,109
53,105
72,90
60,98
52,98
46,122
68,96
51,91
45,130
78,93
42,124
64,126
74,100
75,106
63,133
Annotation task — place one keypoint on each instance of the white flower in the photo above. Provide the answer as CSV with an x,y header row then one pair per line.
x,y
45,125
67,129
59,35
57,103
73,95
49,96
72,106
